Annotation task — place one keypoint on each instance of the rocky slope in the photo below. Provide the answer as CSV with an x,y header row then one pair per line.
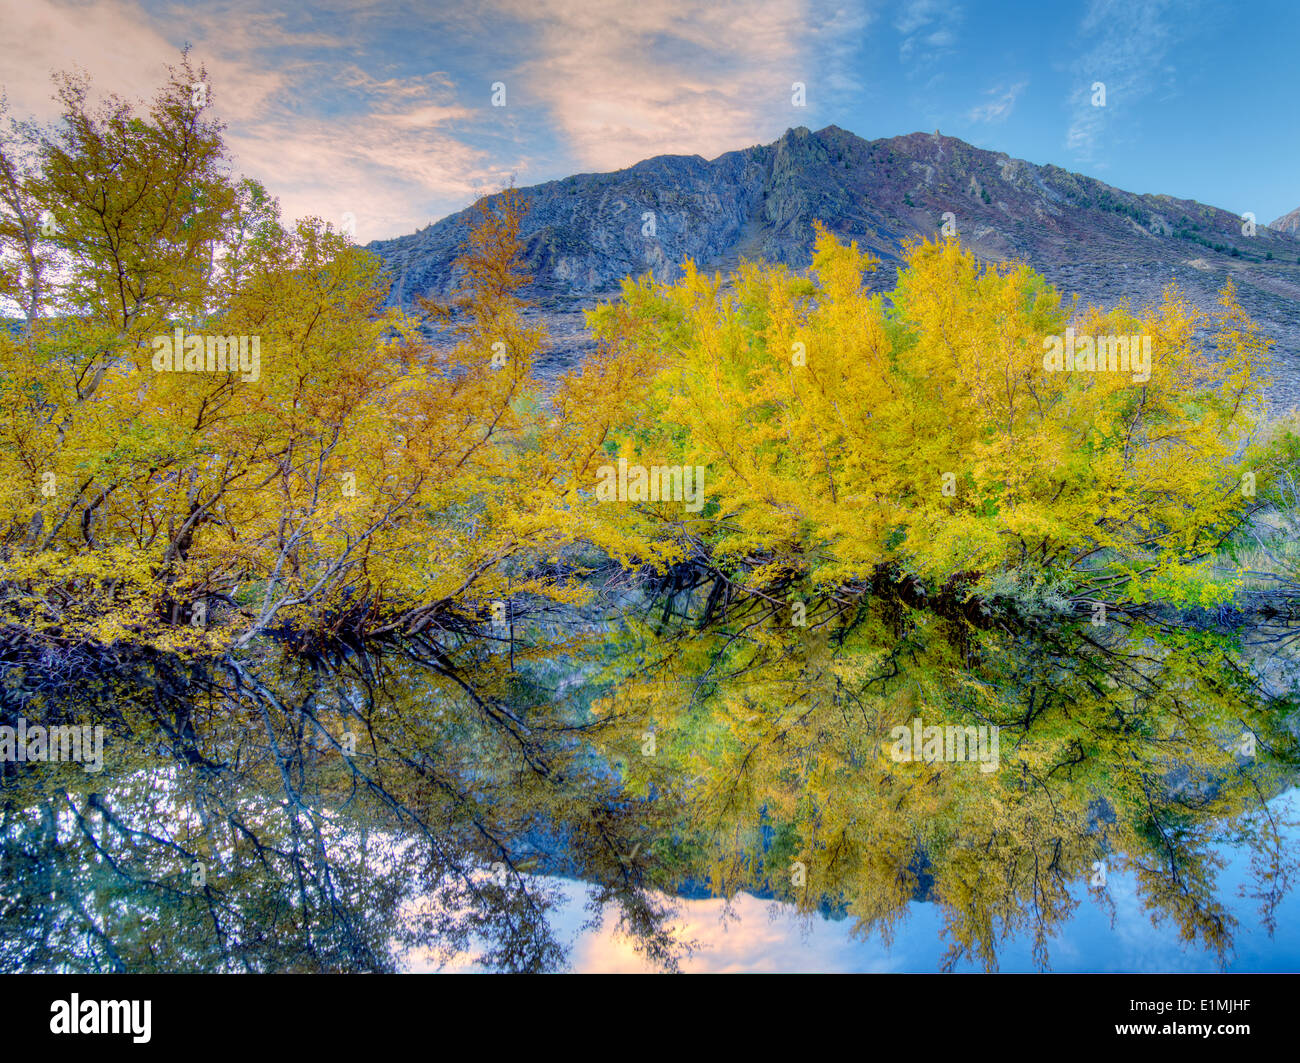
x,y
1288,223
586,232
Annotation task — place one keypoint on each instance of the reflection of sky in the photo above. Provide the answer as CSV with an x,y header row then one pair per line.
x,y
756,935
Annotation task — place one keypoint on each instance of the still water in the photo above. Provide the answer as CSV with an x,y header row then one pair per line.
x,y
749,934
880,788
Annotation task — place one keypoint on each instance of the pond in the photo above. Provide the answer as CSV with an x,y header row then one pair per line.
x,y
657,784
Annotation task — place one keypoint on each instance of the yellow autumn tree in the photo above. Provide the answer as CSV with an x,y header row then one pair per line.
x,y
923,432
214,427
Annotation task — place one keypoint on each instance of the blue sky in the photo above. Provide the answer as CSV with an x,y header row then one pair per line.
x,y
384,109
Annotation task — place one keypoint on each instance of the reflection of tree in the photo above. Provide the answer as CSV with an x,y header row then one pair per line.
x,y
346,805
1119,752
235,827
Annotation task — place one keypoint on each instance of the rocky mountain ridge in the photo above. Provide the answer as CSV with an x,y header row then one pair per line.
x,y
584,233
1288,223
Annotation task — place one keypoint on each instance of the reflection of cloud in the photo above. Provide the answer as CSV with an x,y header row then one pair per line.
x,y
760,936
998,108
1130,44
749,934
745,934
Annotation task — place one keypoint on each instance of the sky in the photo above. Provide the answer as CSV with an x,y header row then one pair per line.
x,y
385,110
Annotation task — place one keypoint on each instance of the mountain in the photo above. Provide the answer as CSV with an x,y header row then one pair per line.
x,y
1288,223
584,233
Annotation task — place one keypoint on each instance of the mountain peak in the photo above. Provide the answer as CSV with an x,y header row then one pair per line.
x,y
1288,223
584,233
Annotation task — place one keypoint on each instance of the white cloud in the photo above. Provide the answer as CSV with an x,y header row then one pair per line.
x,y
928,28
322,109
917,13
682,76
1130,40
998,109
393,152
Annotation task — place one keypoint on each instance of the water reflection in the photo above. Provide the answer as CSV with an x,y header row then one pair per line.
x,y
288,813
1121,753
747,933
349,809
